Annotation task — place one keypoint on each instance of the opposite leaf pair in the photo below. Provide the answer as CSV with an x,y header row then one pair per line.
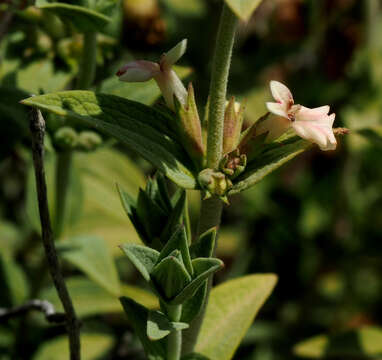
x,y
172,274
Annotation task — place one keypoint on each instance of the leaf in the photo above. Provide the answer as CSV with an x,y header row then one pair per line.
x,y
15,286
159,326
127,121
205,245
144,92
93,346
191,307
170,276
231,309
143,258
91,255
178,241
203,268
243,8
82,18
90,299
276,155
194,356
138,316
358,343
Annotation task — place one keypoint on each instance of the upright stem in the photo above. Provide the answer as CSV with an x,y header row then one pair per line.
x,y
85,79
63,174
37,126
211,210
218,87
87,71
174,339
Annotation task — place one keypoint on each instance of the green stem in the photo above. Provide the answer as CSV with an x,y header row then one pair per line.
x,y
210,216
63,174
87,70
218,86
211,210
174,339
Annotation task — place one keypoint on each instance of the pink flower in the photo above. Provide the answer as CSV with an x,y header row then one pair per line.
x,y
166,78
315,125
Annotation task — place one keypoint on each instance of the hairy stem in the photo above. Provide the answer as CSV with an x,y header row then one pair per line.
x,y
37,126
218,85
174,339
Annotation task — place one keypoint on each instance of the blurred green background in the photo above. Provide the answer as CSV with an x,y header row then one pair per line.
x,y
316,222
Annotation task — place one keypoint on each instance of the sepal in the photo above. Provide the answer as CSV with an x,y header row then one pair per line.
x,y
233,121
189,127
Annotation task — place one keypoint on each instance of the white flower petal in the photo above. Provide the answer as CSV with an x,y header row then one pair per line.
x,y
281,93
319,132
312,114
277,109
138,71
173,55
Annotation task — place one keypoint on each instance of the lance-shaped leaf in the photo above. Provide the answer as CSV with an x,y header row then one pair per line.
x,y
230,312
205,245
178,241
189,128
142,257
233,121
138,316
129,122
163,191
170,276
175,219
192,307
270,160
150,214
83,19
203,268
159,326
130,207
243,8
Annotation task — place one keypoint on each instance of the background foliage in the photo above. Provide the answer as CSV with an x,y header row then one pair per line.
x,y
317,222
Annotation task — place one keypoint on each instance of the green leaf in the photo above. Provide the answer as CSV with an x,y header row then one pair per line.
x,y
93,346
90,299
15,287
175,218
357,343
82,18
143,258
191,307
178,241
150,215
130,206
144,92
159,326
203,268
271,159
243,8
170,276
231,309
194,356
204,246
127,121
91,255
138,317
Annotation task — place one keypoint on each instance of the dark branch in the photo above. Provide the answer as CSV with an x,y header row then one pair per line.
x,y
39,305
37,127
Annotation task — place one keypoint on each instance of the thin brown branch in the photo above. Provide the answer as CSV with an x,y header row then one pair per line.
x,y
37,127
43,306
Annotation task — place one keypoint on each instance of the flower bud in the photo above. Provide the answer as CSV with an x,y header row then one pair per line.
x,y
66,138
214,183
233,164
233,121
89,140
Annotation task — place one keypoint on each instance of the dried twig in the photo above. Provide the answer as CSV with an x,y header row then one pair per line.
x,y
40,305
37,127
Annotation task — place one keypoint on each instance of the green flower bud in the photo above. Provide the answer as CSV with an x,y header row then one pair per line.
x,y
66,138
214,182
89,140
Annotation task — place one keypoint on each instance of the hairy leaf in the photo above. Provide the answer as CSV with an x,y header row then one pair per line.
x,y
159,326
